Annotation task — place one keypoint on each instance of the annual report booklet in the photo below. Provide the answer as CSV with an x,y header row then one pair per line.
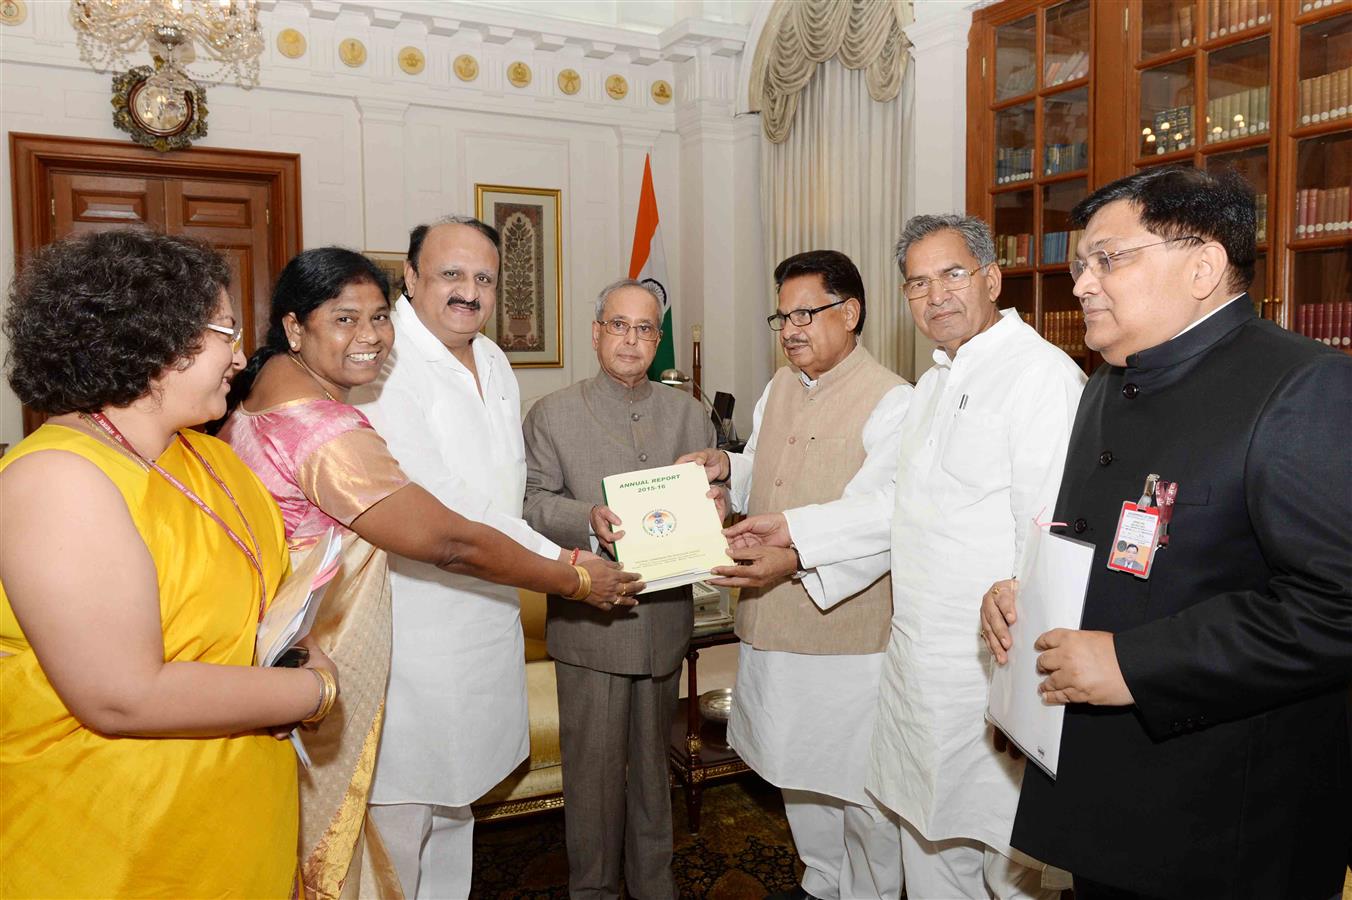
x,y
672,533
1051,595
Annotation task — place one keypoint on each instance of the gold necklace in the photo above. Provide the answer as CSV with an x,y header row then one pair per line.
x,y
295,357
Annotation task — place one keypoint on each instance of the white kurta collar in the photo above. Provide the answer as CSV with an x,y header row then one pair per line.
x,y
985,342
408,327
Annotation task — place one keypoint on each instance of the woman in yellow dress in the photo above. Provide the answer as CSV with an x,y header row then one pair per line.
x,y
326,467
137,755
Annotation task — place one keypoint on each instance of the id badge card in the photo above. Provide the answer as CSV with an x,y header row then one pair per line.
x,y
1134,542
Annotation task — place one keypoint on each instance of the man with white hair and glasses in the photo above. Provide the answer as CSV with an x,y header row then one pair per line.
x,y
618,672
982,447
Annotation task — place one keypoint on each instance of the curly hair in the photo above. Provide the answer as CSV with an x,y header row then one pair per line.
x,y
94,319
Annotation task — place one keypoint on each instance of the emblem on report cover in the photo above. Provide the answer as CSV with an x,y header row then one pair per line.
x,y
659,523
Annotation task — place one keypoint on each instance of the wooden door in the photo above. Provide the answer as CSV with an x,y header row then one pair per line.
x,y
245,204
234,218
87,201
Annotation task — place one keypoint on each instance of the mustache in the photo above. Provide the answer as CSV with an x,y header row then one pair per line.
x,y
472,305
795,342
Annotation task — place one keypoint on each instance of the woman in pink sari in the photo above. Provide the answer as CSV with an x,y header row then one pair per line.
x,y
326,467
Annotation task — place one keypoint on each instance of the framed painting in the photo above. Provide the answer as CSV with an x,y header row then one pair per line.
x,y
528,321
392,264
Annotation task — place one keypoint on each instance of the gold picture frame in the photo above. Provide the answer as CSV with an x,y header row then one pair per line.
x,y
527,322
392,264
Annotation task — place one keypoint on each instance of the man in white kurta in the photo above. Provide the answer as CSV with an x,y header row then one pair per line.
x,y
982,449
807,679
448,406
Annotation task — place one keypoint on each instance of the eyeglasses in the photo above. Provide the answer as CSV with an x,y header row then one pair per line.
x,y
953,280
800,317
236,334
1100,262
644,330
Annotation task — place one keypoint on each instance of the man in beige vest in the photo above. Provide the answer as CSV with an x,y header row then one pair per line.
x,y
618,672
982,450
827,426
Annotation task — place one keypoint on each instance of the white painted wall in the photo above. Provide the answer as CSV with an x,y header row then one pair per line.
x,y
382,150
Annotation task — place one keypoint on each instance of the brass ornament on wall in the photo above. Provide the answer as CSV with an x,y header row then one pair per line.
x,y
617,87
291,43
151,120
412,61
518,74
13,12
466,67
570,82
662,92
352,52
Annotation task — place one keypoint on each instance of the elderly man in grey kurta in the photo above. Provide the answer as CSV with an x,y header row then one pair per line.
x,y
618,673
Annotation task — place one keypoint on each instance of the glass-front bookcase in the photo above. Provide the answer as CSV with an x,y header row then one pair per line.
x,y
1035,94
1263,87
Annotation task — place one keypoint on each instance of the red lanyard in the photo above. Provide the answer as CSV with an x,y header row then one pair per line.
x,y
253,555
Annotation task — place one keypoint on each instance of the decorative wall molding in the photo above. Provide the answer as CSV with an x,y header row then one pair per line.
x,y
495,38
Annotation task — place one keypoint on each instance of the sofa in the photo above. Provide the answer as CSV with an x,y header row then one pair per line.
x,y
537,784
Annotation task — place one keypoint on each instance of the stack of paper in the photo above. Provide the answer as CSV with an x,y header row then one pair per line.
x,y
292,612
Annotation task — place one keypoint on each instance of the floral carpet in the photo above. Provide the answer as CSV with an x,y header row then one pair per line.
x,y
743,849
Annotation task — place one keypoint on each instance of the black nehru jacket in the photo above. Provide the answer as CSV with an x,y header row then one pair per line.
x,y
1232,775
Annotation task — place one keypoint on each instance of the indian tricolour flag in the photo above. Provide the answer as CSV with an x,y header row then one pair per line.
x,y
648,264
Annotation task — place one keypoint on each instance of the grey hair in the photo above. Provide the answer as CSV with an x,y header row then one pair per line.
x,y
614,286
974,232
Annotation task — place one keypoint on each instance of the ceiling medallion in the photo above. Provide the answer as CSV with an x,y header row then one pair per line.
x,y
352,52
662,92
291,43
570,82
518,73
617,87
412,61
154,119
466,67
13,12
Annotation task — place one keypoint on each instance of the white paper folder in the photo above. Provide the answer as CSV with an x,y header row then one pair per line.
x,y
1051,595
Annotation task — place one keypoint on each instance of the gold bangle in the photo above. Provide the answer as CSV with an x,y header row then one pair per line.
x,y
328,696
584,585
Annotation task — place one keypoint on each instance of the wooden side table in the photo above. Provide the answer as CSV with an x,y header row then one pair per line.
x,y
699,750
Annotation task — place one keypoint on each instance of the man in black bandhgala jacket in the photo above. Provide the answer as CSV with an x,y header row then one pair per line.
x,y
1206,745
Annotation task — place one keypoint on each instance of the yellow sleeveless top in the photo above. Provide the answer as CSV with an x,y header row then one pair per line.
x,y
83,814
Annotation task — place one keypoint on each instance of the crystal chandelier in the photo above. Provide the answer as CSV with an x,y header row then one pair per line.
x,y
225,30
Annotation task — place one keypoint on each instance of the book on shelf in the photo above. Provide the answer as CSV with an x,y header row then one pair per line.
x,y
1013,164
1067,68
1238,114
1012,250
1183,36
1065,330
1260,201
1057,245
1328,323
1172,130
1058,158
1229,16
1019,80
1323,211
1325,97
